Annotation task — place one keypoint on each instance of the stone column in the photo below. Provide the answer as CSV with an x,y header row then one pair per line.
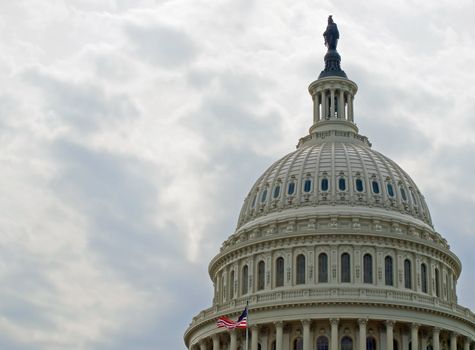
x,y
362,336
254,337
233,342
341,105
306,334
324,106
279,334
415,336
350,107
332,103
316,107
435,339
216,342
466,343
203,345
453,341
390,335
334,333
423,341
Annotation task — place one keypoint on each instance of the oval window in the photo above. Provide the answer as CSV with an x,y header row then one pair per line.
x,y
375,186
341,184
359,185
390,190
276,191
264,195
291,188
403,194
307,186
324,185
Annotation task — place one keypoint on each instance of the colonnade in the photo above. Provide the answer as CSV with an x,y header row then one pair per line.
x,y
275,336
332,104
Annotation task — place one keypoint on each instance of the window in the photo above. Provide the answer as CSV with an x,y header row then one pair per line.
x,y
307,186
279,272
370,343
388,270
342,184
424,278
375,186
263,196
323,268
359,185
390,190
231,285
261,267
291,188
345,268
407,274
298,344
322,343
403,194
324,185
367,268
254,201
300,269
276,191
245,280
346,343
414,199
437,282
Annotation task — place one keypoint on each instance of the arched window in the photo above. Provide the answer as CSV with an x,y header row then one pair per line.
x,y
345,268
403,193
254,201
407,274
370,343
388,270
390,190
231,285
367,268
323,268
259,346
298,344
375,186
342,184
424,278
261,267
359,185
279,272
322,343
437,282
245,280
300,269
324,185
307,185
291,188
264,195
346,343
276,191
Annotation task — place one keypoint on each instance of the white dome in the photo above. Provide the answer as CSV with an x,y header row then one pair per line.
x,y
334,173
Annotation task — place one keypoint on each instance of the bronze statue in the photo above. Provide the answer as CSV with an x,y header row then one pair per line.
x,y
331,34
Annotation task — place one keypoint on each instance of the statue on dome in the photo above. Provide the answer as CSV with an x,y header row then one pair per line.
x,y
331,34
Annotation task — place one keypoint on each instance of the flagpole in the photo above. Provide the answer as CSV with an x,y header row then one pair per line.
x,y
247,325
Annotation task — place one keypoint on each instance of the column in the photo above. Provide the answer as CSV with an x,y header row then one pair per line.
x,y
350,107
332,103
233,343
279,333
362,336
254,337
316,107
435,339
453,341
306,334
324,106
390,335
423,341
341,105
334,334
466,344
216,342
415,336
203,345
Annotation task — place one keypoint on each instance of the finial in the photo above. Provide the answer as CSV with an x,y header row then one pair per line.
x,y
332,58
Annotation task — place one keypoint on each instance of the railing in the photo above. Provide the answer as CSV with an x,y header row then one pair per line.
x,y
336,294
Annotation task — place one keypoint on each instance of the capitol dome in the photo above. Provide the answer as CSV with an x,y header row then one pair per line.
x,y
335,248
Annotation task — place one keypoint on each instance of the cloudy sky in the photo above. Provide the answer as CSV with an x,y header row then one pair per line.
x,y
131,131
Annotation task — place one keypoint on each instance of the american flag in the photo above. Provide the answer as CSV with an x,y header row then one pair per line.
x,y
226,322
